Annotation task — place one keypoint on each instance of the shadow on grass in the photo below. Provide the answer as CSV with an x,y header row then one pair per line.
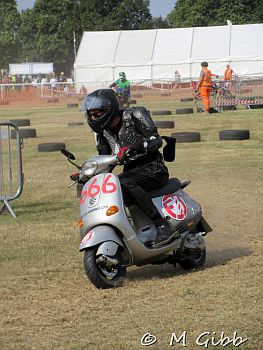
x,y
214,258
43,207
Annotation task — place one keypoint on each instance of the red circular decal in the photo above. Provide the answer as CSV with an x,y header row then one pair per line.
x,y
174,206
88,236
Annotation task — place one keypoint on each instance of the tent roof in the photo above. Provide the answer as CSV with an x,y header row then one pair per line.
x,y
138,48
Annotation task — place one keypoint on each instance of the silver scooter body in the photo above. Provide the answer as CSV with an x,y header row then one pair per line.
x,y
107,223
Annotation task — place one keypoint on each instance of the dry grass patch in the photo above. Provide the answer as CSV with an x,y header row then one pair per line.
x,y
46,301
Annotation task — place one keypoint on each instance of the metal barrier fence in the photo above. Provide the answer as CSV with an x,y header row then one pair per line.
x,y
43,93
11,174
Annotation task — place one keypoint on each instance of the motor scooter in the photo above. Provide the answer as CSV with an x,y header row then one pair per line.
x,y
114,237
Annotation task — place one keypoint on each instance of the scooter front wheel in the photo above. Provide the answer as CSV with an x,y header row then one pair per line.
x,y
102,274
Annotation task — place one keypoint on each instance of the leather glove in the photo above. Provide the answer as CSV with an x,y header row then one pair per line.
x,y
74,177
123,154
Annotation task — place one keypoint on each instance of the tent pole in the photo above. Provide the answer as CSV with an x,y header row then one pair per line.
x,y
156,32
191,50
114,56
229,39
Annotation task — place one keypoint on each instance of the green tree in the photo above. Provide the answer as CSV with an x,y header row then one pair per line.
x,y
47,32
159,23
202,13
114,14
9,26
27,37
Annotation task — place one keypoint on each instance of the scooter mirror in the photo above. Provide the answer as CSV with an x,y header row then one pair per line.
x,y
68,154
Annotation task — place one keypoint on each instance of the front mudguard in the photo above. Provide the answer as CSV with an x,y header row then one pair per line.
x,y
102,234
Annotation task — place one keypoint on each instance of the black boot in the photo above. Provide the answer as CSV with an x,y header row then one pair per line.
x,y
163,229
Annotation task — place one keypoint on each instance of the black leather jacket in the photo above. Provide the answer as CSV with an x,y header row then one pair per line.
x,y
136,128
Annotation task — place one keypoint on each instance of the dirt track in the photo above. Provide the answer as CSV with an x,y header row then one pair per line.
x,y
47,302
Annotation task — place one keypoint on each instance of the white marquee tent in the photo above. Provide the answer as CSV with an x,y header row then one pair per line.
x,y
156,54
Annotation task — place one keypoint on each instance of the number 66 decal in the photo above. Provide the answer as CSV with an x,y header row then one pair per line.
x,y
94,189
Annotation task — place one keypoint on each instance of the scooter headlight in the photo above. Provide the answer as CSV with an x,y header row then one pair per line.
x,y
89,168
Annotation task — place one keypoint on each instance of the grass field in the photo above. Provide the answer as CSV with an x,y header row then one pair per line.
x,y
47,303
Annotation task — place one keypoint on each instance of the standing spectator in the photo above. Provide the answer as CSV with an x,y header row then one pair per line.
x,y
228,73
6,81
62,79
177,78
228,76
39,78
13,81
83,90
53,82
204,85
19,81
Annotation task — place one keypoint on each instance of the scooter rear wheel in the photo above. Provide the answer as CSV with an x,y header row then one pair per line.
x,y
194,260
100,275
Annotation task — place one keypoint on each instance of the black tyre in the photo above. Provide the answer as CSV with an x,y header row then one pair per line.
x,y
164,124
161,112
75,123
186,99
70,105
184,111
191,260
20,122
234,135
25,133
187,136
227,108
255,106
101,276
51,147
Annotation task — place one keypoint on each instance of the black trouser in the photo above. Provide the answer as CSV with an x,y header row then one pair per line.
x,y
136,182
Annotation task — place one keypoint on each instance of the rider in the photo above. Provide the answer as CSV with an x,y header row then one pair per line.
x,y
133,137
122,85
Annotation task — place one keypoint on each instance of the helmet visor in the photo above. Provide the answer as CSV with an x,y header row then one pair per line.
x,y
96,102
96,114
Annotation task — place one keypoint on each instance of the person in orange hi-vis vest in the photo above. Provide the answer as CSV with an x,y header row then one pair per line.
x,y
228,75
204,85
228,72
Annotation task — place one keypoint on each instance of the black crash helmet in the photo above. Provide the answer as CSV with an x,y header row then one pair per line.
x,y
101,107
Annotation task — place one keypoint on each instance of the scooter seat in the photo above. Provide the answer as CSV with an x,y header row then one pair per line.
x,y
172,185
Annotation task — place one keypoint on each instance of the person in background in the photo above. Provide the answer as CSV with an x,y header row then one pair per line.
x,y
122,83
83,90
122,86
62,79
53,82
177,78
204,86
228,76
13,81
228,73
